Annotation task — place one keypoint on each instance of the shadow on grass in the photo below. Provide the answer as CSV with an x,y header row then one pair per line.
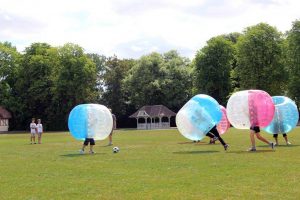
x,y
192,143
257,151
282,146
194,152
78,154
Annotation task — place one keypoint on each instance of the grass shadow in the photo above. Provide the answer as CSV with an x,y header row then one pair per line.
x,y
107,146
282,146
192,142
194,152
78,154
288,146
257,151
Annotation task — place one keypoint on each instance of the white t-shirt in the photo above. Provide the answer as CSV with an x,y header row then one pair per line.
x,y
33,128
40,128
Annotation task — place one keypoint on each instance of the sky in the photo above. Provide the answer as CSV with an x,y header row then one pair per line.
x,y
132,28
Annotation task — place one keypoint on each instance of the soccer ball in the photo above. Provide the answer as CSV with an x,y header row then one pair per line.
x,y
116,149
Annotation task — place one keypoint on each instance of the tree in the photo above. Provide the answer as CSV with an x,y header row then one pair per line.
x,y
176,83
114,95
75,83
260,59
35,81
9,64
293,61
9,68
213,64
143,81
99,61
159,79
234,78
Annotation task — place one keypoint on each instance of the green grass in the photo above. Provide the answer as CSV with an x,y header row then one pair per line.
x,y
159,164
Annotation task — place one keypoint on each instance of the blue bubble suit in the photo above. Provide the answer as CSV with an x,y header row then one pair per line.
x,y
90,121
198,116
286,116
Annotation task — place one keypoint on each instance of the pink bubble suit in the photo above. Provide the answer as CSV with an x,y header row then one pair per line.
x,y
250,108
224,124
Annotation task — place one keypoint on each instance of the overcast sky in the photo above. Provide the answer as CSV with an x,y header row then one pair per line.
x,y
131,28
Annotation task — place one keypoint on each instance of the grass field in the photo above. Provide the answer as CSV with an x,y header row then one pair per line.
x,y
158,164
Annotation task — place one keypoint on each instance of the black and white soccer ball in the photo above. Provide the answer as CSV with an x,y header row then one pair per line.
x,y
116,149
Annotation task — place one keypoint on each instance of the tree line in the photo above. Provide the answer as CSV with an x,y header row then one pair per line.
x,y
47,82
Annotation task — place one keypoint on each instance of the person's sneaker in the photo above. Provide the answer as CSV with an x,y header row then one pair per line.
x,y
109,144
272,145
81,151
226,146
92,152
252,149
288,143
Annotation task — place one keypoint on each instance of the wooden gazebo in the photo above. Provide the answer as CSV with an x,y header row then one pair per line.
x,y
153,117
4,117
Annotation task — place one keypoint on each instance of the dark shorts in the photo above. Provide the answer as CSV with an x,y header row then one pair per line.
x,y
89,140
214,131
256,129
276,135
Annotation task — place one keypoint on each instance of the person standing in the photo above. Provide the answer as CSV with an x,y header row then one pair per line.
x,y
113,128
33,131
39,130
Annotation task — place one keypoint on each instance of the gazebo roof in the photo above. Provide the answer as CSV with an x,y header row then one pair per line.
x,y
4,114
153,111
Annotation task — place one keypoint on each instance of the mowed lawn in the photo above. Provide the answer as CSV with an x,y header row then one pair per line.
x,y
158,164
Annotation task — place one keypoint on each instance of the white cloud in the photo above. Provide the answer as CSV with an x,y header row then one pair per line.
x,y
131,28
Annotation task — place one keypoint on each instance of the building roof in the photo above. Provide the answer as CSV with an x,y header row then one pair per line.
x,y
153,111
4,114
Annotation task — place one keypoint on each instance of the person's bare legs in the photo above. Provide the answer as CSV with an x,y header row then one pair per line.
x,y
39,138
286,140
276,141
252,139
33,138
83,147
261,138
110,138
91,148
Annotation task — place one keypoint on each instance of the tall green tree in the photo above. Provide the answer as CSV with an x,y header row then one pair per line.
x,y
75,83
260,59
9,66
160,79
176,82
143,82
114,95
213,64
293,61
234,78
10,60
99,61
35,82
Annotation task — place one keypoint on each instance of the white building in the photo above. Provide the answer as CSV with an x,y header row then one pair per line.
x,y
153,117
4,119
